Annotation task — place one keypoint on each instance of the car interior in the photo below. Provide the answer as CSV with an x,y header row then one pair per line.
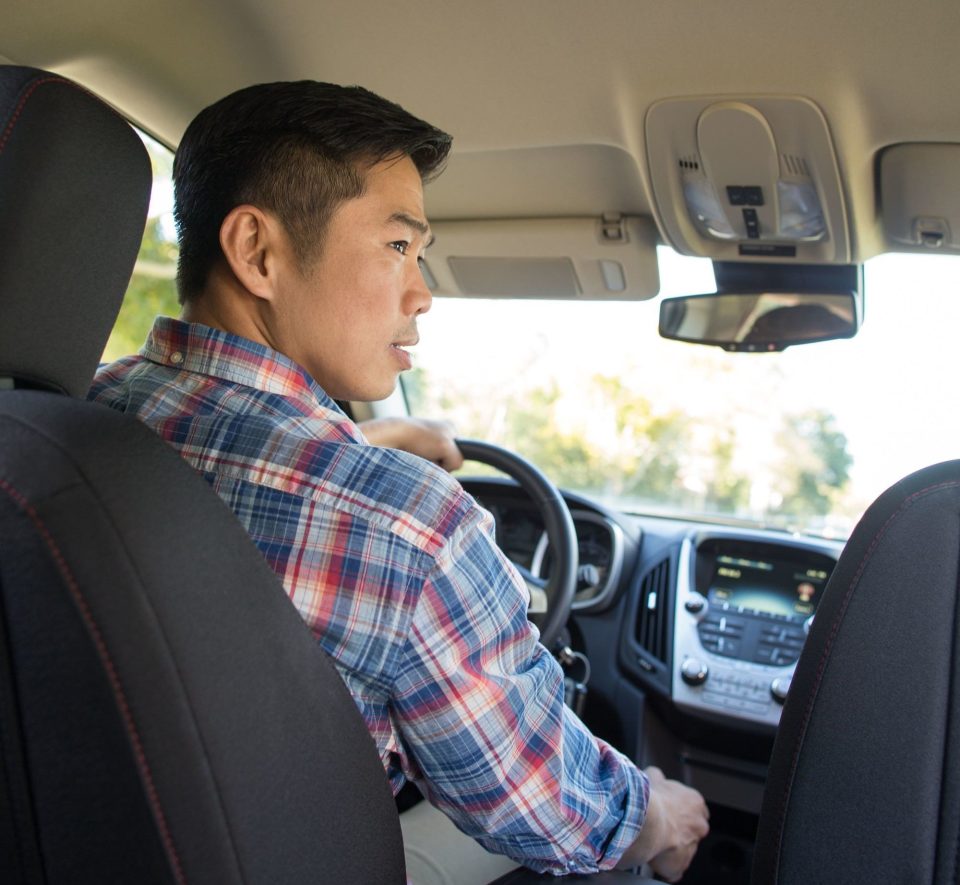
x,y
165,714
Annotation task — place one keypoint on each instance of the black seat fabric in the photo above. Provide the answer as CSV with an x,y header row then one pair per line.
x,y
165,715
179,721
864,783
74,188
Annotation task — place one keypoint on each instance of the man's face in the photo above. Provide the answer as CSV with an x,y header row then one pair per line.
x,y
348,317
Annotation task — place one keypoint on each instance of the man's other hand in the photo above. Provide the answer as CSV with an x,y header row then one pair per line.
x,y
676,822
433,440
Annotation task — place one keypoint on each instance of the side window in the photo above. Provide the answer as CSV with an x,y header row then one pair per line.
x,y
152,288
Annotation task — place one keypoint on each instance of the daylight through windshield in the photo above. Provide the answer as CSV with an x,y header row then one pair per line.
x,y
803,440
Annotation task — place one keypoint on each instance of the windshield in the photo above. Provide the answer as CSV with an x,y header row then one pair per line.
x,y
803,440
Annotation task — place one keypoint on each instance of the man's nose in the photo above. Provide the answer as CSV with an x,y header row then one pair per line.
x,y
419,296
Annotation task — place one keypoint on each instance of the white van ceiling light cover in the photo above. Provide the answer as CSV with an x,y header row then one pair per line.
x,y
747,179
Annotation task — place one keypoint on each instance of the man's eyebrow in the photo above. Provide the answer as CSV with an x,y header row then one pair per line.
x,y
421,227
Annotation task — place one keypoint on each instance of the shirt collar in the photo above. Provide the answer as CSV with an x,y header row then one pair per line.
x,y
193,347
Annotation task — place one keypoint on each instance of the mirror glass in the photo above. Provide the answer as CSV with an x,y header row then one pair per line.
x,y
758,321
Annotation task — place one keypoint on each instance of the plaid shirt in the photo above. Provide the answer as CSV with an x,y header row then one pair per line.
x,y
394,567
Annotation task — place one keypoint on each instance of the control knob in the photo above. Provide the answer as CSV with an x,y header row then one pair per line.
x,y
696,604
694,671
779,688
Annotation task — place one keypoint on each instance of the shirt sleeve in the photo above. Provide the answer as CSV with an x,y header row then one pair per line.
x,y
478,704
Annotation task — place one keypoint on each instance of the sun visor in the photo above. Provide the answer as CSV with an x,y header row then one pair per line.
x,y
920,197
613,258
747,179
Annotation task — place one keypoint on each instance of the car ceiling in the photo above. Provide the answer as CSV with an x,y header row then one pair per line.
x,y
546,99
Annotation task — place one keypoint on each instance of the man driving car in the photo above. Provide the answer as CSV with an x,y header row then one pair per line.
x,y
300,217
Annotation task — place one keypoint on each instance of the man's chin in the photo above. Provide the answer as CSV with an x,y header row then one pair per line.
x,y
371,393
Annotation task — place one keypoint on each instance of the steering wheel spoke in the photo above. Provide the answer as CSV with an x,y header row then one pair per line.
x,y
538,591
538,600
550,599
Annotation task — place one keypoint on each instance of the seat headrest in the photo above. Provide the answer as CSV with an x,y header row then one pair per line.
x,y
74,190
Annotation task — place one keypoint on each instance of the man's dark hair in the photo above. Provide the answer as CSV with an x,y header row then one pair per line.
x,y
295,149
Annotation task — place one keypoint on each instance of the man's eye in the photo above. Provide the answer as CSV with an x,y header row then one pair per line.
x,y
401,246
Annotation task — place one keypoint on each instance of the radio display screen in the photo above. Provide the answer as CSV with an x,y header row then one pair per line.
x,y
760,579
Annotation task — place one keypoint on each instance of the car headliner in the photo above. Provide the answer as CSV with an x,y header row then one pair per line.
x,y
546,98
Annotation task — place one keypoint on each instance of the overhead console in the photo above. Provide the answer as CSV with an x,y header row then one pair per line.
x,y
747,179
743,609
920,196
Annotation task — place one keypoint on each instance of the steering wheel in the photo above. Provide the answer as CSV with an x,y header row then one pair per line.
x,y
550,600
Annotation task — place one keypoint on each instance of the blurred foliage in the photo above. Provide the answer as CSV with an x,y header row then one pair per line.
x,y
816,463
152,288
730,490
646,463
152,291
565,456
653,460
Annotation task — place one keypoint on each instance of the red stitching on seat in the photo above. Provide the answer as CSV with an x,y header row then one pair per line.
x,y
114,679
23,101
827,648
33,88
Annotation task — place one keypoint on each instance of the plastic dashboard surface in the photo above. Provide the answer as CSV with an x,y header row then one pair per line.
x,y
742,609
605,545
709,618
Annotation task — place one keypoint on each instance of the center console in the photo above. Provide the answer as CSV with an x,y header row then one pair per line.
x,y
743,609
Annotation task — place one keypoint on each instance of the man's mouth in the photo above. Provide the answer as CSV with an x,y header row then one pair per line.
x,y
399,348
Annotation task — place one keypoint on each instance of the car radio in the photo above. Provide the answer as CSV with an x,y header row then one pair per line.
x,y
744,607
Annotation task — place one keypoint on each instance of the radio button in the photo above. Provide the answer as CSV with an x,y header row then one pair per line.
x,y
694,671
695,603
779,688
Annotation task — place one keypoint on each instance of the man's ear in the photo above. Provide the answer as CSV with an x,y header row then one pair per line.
x,y
252,244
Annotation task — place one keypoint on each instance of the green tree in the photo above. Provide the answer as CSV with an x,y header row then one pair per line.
x,y
565,456
816,463
152,291
727,491
646,462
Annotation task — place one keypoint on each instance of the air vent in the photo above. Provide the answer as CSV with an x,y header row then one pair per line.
x,y
796,165
652,618
689,162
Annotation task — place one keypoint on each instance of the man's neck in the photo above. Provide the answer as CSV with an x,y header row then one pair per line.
x,y
229,309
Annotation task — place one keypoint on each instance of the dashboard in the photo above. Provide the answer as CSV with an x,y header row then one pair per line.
x,y
600,546
708,621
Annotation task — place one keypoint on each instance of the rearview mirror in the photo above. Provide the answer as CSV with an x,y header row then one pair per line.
x,y
762,308
758,321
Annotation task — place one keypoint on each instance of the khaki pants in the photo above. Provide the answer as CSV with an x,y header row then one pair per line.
x,y
437,853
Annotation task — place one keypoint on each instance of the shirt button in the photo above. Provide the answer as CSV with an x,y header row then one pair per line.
x,y
176,358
